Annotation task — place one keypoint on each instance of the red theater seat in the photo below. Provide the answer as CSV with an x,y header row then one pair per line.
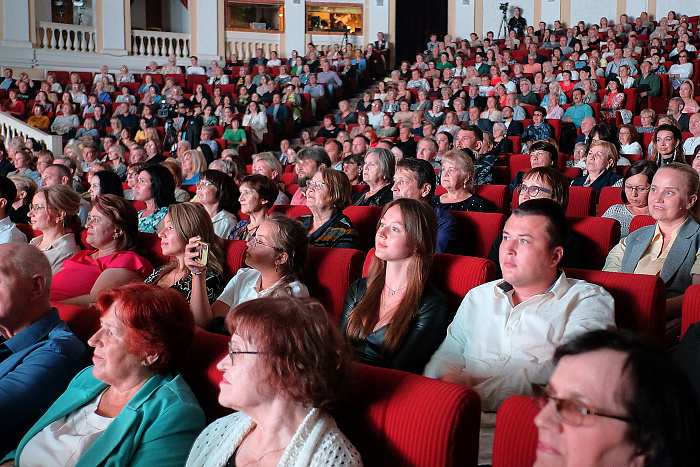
x,y
691,307
609,196
641,221
598,234
365,219
83,321
479,230
235,257
515,442
497,195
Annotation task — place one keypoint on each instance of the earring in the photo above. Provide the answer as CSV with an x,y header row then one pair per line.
x,y
276,265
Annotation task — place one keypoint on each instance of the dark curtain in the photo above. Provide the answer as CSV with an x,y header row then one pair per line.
x,y
415,21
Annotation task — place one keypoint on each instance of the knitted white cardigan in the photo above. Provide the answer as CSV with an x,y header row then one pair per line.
x,y
317,442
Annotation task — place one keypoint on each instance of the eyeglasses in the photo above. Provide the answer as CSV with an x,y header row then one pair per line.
x,y
232,353
533,191
638,189
204,184
568,411
315,185
34,208
251,238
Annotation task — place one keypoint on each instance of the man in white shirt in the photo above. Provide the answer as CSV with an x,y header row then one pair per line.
x,y
9,233
694,141
505,332
195,69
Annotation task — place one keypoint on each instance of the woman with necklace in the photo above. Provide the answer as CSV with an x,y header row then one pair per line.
x,y
394,318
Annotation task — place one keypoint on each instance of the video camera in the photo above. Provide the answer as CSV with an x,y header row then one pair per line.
x,y
504,7
167,111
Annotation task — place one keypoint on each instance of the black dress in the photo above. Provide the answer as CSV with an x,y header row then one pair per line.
x,y
380,198
474,204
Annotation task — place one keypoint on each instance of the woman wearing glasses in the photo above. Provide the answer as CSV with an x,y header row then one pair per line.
x,y
635,193
275,256
287,367
218,193
327,194
183,226
616,400
547,183
54,212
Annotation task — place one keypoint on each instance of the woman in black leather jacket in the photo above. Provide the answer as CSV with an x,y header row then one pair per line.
x,y
394,318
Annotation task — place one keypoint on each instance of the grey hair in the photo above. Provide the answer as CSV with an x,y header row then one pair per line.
x,y
28,261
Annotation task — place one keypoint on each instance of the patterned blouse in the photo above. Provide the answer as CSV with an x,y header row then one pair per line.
x,y
149,224
215,283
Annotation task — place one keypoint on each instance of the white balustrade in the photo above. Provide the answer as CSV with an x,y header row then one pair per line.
x,y
244,44
159,44
11,127
65,37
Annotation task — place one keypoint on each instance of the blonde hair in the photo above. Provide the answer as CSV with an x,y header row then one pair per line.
x,y
200,163
62,198
272,162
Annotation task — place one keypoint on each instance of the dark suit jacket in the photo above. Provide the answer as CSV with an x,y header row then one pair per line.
x,y
192,130
683,122
479,101
515,128
282,113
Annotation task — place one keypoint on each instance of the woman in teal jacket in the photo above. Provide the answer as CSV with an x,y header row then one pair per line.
x,y
131,407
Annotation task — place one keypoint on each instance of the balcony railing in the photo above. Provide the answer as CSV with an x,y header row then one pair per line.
x,y
11,127
159,44
244,44
66,37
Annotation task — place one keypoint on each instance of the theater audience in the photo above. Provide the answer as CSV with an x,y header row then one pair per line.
x,y
40,353
378,174
54,213
667,145
183,226
104,182
275,256
257,196
600,164
9,233
395,318
636,184
287,367
218,194
328,193
457,178
112,230
131,407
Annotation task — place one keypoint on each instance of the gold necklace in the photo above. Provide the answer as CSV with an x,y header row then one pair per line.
x,y
393,292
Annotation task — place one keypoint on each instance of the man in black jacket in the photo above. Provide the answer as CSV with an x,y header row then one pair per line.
x,y
191,124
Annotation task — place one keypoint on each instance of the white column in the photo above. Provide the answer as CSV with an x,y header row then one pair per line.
x,y
112,25
465,19
294,27
204,25
551,12
378,12
15,24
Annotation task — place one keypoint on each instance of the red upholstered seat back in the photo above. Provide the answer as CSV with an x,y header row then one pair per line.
x,y
365,219
519,163
497,195
609,196
453,275
479,230
200,372
599,235
641,221
691,307
640,300
515,442
398,418
235,257
329,273
291,211
83,321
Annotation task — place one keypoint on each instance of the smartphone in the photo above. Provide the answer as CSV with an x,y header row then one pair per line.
x,y
203,250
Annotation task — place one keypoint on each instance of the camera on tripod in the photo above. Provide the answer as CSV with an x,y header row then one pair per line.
x,y
504,7
167,112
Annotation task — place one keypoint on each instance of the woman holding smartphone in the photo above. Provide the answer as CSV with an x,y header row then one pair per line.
x,y
184,227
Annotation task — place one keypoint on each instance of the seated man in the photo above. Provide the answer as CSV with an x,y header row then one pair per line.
x,y
505,332
415,178
9,233
310,161
39,354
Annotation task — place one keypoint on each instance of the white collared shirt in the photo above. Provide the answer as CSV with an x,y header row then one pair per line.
x,y
9,233
513,346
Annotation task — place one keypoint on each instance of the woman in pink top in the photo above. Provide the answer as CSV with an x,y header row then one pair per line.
x,y
112,229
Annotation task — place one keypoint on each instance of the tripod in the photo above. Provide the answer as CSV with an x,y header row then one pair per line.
x,y
503,27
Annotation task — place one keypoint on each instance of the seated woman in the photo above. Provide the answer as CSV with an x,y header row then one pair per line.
x,y
275,256
388,128
256,119
112,230
613,100
193,164
378,174
457,177
548,183
394,318
116,156
257,196
131,407
327,194
105,182
669,248
635,193
291,393
218,194
687,93
55,214
629,141
235,136
183,226
600,163
667,145
501,143
617,400
268,164
156,188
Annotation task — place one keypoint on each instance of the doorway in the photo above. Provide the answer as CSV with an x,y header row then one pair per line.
x,y
416,20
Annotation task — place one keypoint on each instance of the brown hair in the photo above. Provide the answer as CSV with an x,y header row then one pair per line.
x,y
339,188
421,226
307,357
555,179
62,198
123,215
